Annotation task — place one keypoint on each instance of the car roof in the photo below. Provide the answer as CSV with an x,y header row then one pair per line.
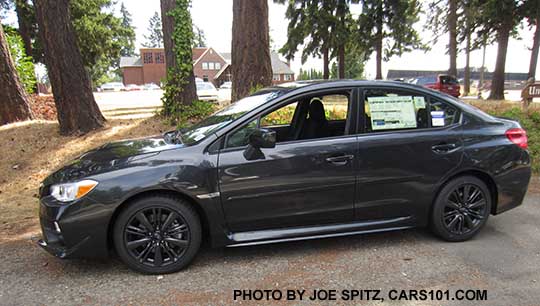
x,y
306,86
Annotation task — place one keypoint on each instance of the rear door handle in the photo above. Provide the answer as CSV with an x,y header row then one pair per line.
x,y
444,148
340,159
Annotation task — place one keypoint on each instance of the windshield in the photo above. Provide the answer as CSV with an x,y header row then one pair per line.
x,y
223,117
204,86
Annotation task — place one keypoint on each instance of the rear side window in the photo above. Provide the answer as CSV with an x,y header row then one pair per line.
x,y
387,109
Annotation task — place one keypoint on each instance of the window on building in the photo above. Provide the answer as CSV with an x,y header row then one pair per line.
x,y
288,77
205,66
218,66
160,58
205,78
276,77
210,66
148,58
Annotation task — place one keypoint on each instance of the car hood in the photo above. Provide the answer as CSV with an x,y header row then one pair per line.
x,y
111,156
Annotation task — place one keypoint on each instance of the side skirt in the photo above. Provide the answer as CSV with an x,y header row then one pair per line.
x,y
316,232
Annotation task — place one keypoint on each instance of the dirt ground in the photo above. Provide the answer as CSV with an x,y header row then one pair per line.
x,y
31,150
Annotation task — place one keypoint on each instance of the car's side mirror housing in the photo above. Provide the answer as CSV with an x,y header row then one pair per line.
x,y
261,138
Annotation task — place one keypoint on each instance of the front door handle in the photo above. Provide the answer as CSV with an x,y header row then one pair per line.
x,y
444,148
340,159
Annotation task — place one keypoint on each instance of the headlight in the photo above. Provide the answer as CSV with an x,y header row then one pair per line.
x,y
72,191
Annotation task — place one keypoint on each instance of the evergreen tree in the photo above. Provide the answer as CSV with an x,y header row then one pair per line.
x,y
154,38
387,27
128,47
499,18
199,39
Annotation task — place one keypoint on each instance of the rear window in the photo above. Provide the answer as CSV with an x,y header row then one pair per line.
x,y
425,80
449,80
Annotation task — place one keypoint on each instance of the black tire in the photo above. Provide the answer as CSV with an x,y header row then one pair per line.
x,y
461,209
169,241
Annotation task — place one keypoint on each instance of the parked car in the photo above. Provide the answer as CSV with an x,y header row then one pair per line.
x,y
113,86
226,85
207,92
444,83
319,160
151,86
133,87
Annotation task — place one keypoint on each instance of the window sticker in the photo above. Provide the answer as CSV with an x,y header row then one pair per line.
x,y
437,118
419,102
395,112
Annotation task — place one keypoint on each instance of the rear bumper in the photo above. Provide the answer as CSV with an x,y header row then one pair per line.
x,y
512,187
76,230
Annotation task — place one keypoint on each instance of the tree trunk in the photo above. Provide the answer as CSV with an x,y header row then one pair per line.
x,y
467,76
452,45
534,50
341,62
326,63
251,66
188,92
14,104
25,25
77,110
497,81
379,41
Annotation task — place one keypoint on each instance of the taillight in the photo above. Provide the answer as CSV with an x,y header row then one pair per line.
x,y
518,136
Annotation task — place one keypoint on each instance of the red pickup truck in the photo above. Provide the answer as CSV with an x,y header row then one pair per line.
x,y
444,83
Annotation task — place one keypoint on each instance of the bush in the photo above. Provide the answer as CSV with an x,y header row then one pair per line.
x,y
23,63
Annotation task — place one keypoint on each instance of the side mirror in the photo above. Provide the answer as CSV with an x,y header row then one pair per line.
x,y
263,138
258,139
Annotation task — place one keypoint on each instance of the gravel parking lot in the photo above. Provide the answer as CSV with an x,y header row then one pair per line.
x,y
504,259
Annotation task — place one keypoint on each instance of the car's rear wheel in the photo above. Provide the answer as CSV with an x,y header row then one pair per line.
x,y
157,235
461,209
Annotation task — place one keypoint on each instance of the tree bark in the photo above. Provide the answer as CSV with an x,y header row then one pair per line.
x,y
535,50
251,66
25,26
497,81
341,62
14,105
188,94
77,110
326,63
467,76
379,42
452,31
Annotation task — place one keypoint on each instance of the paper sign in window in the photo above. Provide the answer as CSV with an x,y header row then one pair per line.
x,y
389,113
437,118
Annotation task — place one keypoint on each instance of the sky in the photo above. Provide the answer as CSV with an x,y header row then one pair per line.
x,y
214,17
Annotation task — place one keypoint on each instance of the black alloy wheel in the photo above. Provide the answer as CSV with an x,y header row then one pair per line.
x,y
461,209
157,235
465,208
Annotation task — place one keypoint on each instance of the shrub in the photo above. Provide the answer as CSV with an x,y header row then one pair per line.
x,y
23,62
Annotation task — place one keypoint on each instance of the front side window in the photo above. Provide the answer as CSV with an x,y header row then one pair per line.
x,y
387,109
310,117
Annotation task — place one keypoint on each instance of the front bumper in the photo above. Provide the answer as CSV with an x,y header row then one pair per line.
x,y
75,230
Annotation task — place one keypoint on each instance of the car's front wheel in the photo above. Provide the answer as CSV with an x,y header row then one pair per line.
x,y
157,234
461,209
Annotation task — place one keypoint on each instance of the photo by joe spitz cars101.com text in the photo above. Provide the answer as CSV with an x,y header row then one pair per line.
x,y
303,161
